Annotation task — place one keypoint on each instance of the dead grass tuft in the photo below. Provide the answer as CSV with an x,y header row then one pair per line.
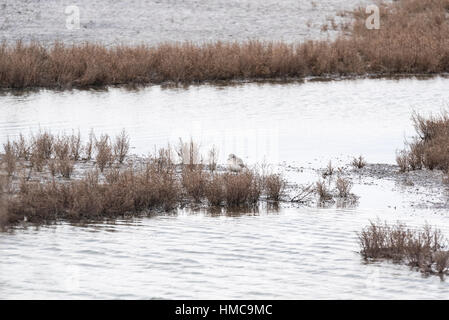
x,y
343,186
121,146
323,191
104,152
243,188
3,203
274,186
65,167
194,181
9,158
413,38
215,191
418,248
430,148
153,183
22,148
359,162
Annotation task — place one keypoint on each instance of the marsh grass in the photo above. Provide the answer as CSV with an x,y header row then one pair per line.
x,y
215,190
323,191
22,148
104,152
430,147
64,167
194,181
213,158
422,249
359,163
60,152
413,38
90,145
9,158
121,146
243,188
274,186
343,187
108,187
76,146
3,202
329,171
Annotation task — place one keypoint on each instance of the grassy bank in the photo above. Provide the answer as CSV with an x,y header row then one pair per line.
x,y
413,38
49,177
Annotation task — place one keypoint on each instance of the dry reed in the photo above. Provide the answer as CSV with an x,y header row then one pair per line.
x,y
359,163
344,187
104,152
423,249
153,183
323,191
274,186
9,158
413,38
3,203
121,146
430,148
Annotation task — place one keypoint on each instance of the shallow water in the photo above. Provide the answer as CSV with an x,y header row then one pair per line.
x,y
295,253
274,122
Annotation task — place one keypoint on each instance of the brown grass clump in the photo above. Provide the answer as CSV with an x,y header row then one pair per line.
x,y
402,161
323,191
52,167
215,192
329,171
189,154
194,181
127,191
441,259
148,184
121,146
413,38
60,152
359,162
75,146
159,185
274,186
430,148
43,145
3,203
422,249
22,148
65,167
61,147
243,188
42,148
344,187
104,152
90,145
213,157
9,158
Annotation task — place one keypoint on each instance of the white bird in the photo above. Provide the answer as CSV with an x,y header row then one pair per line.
x,y
235,164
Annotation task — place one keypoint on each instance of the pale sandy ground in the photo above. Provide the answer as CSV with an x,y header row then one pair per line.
x,y
154,21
